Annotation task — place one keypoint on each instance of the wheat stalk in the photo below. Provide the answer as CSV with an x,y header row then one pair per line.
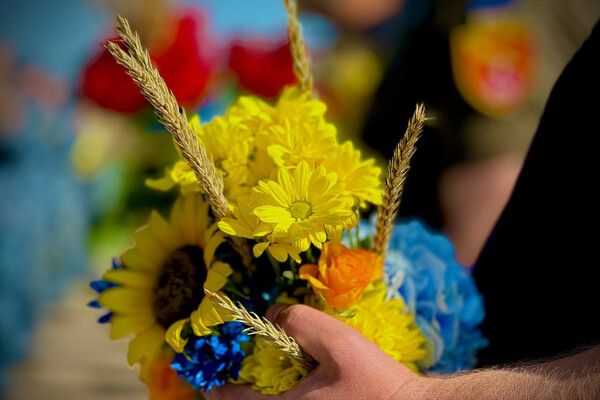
x,y
138,65
274,335
396,177
298,47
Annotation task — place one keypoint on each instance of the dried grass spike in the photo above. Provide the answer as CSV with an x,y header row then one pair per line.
x,y
274,335
136,61
298,47
396,177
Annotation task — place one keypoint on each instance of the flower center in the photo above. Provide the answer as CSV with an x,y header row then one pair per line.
x,y
300,210
178,290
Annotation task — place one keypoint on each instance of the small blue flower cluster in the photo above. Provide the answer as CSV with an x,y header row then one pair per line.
x,y
100,286
210,360
421,267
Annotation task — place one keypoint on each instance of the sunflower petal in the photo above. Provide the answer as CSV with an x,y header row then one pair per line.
x,y
208,314
125,324
173,335
145,342
211,248
122,300
217,276
198,326
129,278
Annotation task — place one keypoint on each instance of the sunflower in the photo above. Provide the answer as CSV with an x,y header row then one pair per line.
x,y
164,276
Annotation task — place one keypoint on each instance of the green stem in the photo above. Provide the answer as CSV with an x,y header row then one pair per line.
x,y
275,265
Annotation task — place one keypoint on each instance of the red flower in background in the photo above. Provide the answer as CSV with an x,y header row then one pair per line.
x,y
262,69
183,59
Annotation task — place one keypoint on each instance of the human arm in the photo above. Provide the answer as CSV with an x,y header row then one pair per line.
x,y
572,377
351,367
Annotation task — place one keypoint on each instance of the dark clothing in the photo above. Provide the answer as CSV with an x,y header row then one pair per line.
x,y
420,72
538,269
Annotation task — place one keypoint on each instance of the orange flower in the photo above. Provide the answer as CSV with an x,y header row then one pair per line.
x,y
162,380
342,274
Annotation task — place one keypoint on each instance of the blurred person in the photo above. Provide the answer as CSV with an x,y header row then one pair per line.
x,y
535,273
464,143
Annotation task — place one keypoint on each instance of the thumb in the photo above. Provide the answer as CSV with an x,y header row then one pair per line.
x,y
325,338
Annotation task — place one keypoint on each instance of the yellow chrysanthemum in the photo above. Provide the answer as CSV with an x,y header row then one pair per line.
x,y
389,325
181,174
247,225
297,141
228,145
270,370
293,104
300,204
360,178
299,104
164,277
298,131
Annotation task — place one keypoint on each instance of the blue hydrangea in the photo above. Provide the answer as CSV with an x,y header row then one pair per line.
x,y
421,267
211,360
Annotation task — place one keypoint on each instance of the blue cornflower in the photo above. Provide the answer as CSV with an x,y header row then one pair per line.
x,y
100,286
421,267
211,360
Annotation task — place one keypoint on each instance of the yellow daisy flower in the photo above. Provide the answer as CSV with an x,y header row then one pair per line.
x,y
247,225
388,324
300,204
164,278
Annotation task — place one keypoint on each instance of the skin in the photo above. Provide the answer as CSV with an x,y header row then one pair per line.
x,y
352,367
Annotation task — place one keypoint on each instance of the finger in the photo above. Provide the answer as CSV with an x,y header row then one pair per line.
x,y
322,336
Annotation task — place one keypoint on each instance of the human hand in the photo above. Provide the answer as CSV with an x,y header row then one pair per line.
x,y
350,365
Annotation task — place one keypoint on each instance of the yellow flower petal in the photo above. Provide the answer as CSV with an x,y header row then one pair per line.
x,y
144,343
232,227
123,300
211,247
217,276
163,184
278,252
129,278
273,215
173,335
123,325
136,260
259,248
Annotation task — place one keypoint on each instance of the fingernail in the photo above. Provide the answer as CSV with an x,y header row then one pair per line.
x,y
274,311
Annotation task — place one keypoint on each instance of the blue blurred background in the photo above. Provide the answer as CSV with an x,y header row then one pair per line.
x,y
74,155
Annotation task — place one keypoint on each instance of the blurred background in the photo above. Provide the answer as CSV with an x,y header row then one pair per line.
x,y
77,141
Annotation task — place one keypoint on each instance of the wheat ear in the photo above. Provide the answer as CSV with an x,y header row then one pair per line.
x,y
136,61
298,47
396,177
274,335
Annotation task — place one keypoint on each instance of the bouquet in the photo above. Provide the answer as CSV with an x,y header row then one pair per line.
x,y
270,211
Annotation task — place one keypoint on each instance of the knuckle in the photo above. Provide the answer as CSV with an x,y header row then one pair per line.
x,y
292,316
